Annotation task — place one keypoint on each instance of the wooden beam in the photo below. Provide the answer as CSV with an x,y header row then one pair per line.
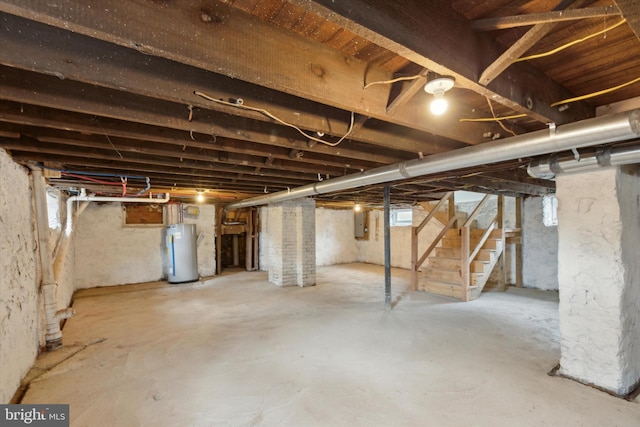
x,y
81,58
503,22
190,177
219,150
51,92
322,74
407,92
9,134
31,115
429,36
515,51
522,45
204,152
630,10
280,177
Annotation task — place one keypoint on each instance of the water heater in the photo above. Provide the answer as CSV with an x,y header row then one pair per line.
x,y
182,252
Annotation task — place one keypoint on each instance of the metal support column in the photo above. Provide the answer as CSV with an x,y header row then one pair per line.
x,y
387,246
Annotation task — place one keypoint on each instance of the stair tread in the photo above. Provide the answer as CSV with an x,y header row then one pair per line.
x,y
455,270
440,282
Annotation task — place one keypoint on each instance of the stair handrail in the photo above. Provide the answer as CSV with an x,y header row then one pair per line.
x,y
435,242
465,249
415,231
483,239
476,211
433,212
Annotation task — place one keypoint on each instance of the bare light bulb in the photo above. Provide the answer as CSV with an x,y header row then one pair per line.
x,y
357,208
439,105
200,198
437,87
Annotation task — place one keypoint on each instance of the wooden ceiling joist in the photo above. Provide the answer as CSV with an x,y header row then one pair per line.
x,y
504,22
318,73
429,34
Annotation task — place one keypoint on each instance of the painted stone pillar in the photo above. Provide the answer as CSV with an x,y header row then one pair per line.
x,y
599,277
292,245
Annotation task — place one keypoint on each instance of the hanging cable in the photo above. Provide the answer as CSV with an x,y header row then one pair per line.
x,y
279,120
564,46
494,119
499,122
594,94
388,82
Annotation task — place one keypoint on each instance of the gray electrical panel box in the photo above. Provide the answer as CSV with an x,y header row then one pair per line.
x,y
360,220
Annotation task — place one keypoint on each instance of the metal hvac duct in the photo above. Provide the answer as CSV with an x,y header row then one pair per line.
x,y
585,133
610,156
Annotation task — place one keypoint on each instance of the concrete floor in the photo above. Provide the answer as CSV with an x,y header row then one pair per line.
x,y
237,351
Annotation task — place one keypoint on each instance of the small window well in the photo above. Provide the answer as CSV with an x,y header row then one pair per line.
x,y
401,217
550,211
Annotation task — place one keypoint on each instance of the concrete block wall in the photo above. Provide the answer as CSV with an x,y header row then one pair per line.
x,y
599,276
109,253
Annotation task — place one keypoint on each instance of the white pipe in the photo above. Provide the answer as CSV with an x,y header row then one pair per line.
x,y
585,133
610,156
82,197
53,336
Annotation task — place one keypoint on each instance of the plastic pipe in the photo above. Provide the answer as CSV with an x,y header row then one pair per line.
x,y
84,198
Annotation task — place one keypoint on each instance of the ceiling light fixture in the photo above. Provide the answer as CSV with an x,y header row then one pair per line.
x,y
437,87
357,207
200,196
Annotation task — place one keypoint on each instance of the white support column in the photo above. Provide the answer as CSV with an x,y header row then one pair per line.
x,y
599,277
292,246
306,242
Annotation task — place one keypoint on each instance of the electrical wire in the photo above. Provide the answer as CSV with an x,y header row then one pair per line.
x,y
388,82
499,122
279,120
594,94
564,46
494,119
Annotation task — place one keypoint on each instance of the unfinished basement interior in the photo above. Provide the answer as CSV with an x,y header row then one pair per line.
x,y
320,212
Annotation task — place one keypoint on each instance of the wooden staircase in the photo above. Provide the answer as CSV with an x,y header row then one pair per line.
x,y
460,260
443,272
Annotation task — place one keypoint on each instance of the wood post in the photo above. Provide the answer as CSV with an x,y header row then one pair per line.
x,y
219,220
465,237
387,246
519,211
414,258
249,236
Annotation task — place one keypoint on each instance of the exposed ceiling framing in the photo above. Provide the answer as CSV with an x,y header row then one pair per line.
x,y
178,91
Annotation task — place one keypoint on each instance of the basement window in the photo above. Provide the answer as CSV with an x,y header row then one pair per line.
x,y
401,217
143,214
53,210
549,211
